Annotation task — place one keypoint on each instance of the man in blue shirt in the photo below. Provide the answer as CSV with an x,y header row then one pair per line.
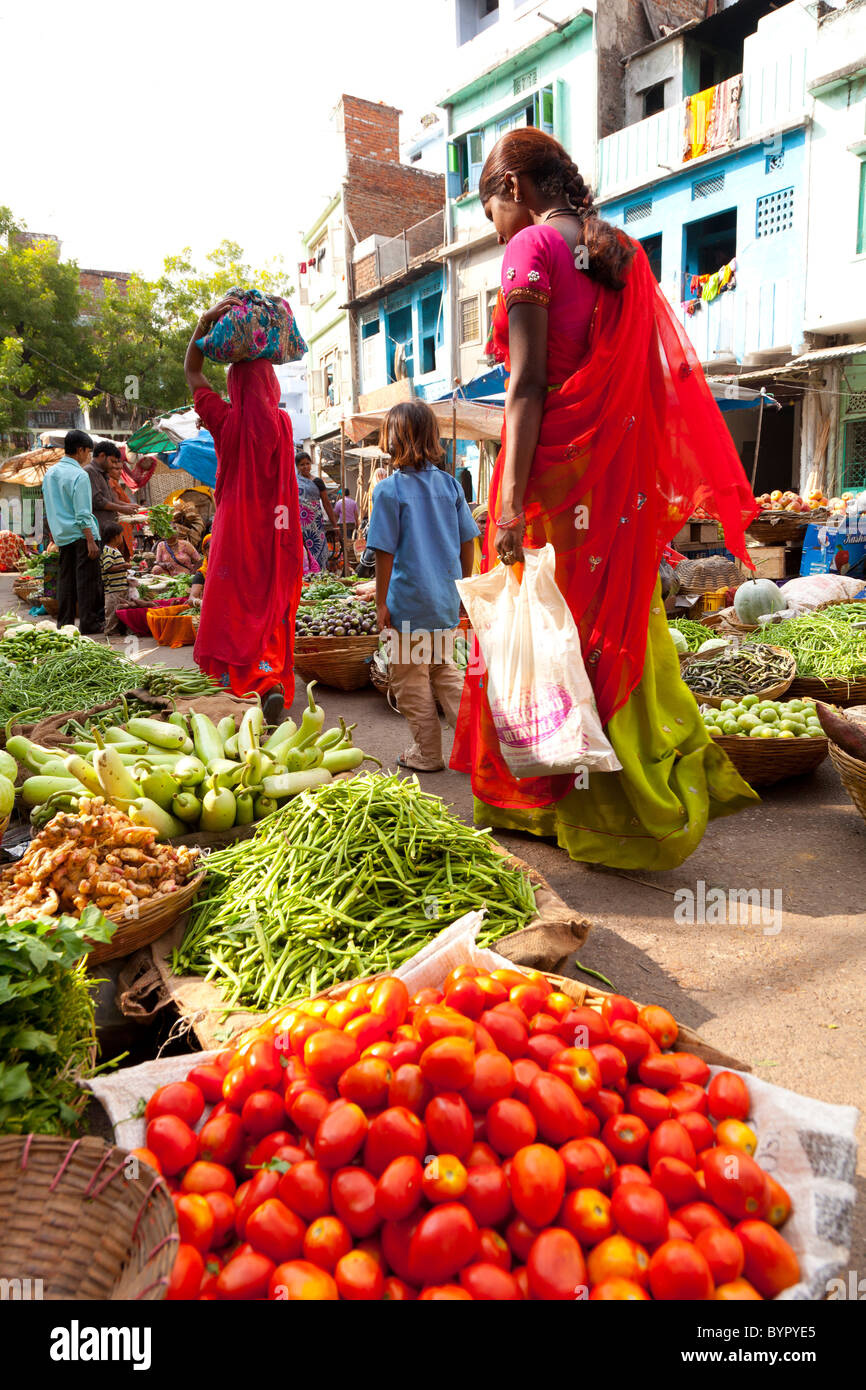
x,y
68,499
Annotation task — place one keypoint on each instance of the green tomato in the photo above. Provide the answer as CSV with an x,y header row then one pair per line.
x,y
785,733
770,716
728,704
795,705
816,733
768,731
749,701
748,722
789,727
8,765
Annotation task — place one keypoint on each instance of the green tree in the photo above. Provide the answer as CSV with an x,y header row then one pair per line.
x,y
140,337
45,347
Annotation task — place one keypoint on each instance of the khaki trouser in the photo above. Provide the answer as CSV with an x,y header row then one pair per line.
x,y
113,601
417,685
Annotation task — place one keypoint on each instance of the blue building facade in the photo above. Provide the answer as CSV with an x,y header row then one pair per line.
x,y
401,337
741,217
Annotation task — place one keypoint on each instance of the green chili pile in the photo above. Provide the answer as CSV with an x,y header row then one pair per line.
x,y
694,633
47,1036
827,646
343,882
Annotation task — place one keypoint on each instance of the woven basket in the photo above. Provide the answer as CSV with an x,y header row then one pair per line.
x,y
703,576
732,624
775,528
772,692
72,1218
843,693
834,603
853,774
154,918
341,662
26,588
763,761
51,606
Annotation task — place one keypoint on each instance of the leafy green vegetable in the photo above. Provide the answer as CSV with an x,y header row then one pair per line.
x,y
47,1035
159,522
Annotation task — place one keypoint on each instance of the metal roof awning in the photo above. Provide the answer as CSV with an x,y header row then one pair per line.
x,y
830,354
469,421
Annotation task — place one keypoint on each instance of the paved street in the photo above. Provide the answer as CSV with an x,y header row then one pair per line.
x,y
791,1005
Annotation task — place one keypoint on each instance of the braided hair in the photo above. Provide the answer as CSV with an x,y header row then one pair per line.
x,y
555,175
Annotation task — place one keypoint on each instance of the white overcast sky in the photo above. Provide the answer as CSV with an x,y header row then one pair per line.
x,y
131,130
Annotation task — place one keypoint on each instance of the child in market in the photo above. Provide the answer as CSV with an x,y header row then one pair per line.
x,y
423,536
115,575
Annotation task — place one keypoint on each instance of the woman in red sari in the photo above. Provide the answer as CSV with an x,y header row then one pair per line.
x,y
611,440
246,633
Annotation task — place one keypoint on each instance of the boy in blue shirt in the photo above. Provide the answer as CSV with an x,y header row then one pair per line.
x,y
423,534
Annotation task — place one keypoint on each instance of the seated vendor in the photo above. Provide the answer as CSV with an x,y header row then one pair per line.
x,y
175,556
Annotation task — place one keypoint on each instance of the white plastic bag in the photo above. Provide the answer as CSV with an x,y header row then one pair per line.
x,y
540,696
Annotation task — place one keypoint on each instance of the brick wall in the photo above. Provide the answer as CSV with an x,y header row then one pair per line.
x,y
383,198
92,282
364,274
371,128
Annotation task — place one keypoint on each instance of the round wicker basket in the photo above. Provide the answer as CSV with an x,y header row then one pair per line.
x,y
77,1216
763,761
154,918
341,662
842,693
25,588
775,528
771,692
853,774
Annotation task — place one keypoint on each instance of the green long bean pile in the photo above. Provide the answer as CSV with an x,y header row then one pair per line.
x,y
45,680
826,645
343,882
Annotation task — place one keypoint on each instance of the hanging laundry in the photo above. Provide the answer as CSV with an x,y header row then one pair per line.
x,y
724,125
711,288
712,118
698,111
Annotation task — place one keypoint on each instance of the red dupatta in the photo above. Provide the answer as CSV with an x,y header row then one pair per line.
x,y
629,446
255,560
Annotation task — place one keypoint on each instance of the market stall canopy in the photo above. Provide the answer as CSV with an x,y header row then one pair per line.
x,y
197,456
473,421
184,424
368,451
152,439
729,395
28,469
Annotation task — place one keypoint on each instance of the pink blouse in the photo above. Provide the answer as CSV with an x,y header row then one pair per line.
x,y
538,268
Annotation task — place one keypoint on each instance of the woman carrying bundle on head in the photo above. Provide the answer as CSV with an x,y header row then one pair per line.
x,y
611,440
246,634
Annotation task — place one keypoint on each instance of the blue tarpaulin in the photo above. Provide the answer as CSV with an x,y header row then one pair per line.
x,y
198,457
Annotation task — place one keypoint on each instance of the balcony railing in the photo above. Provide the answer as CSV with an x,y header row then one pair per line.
x,y
395,256
772,98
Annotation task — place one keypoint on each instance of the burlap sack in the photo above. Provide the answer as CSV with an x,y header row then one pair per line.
x,y
545,944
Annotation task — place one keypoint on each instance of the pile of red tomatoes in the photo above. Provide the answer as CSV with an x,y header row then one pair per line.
x,y
486,1140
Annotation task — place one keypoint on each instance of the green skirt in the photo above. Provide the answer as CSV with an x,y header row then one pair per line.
x,y
652,814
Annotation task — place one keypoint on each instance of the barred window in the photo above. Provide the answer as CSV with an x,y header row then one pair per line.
x,y
470,320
